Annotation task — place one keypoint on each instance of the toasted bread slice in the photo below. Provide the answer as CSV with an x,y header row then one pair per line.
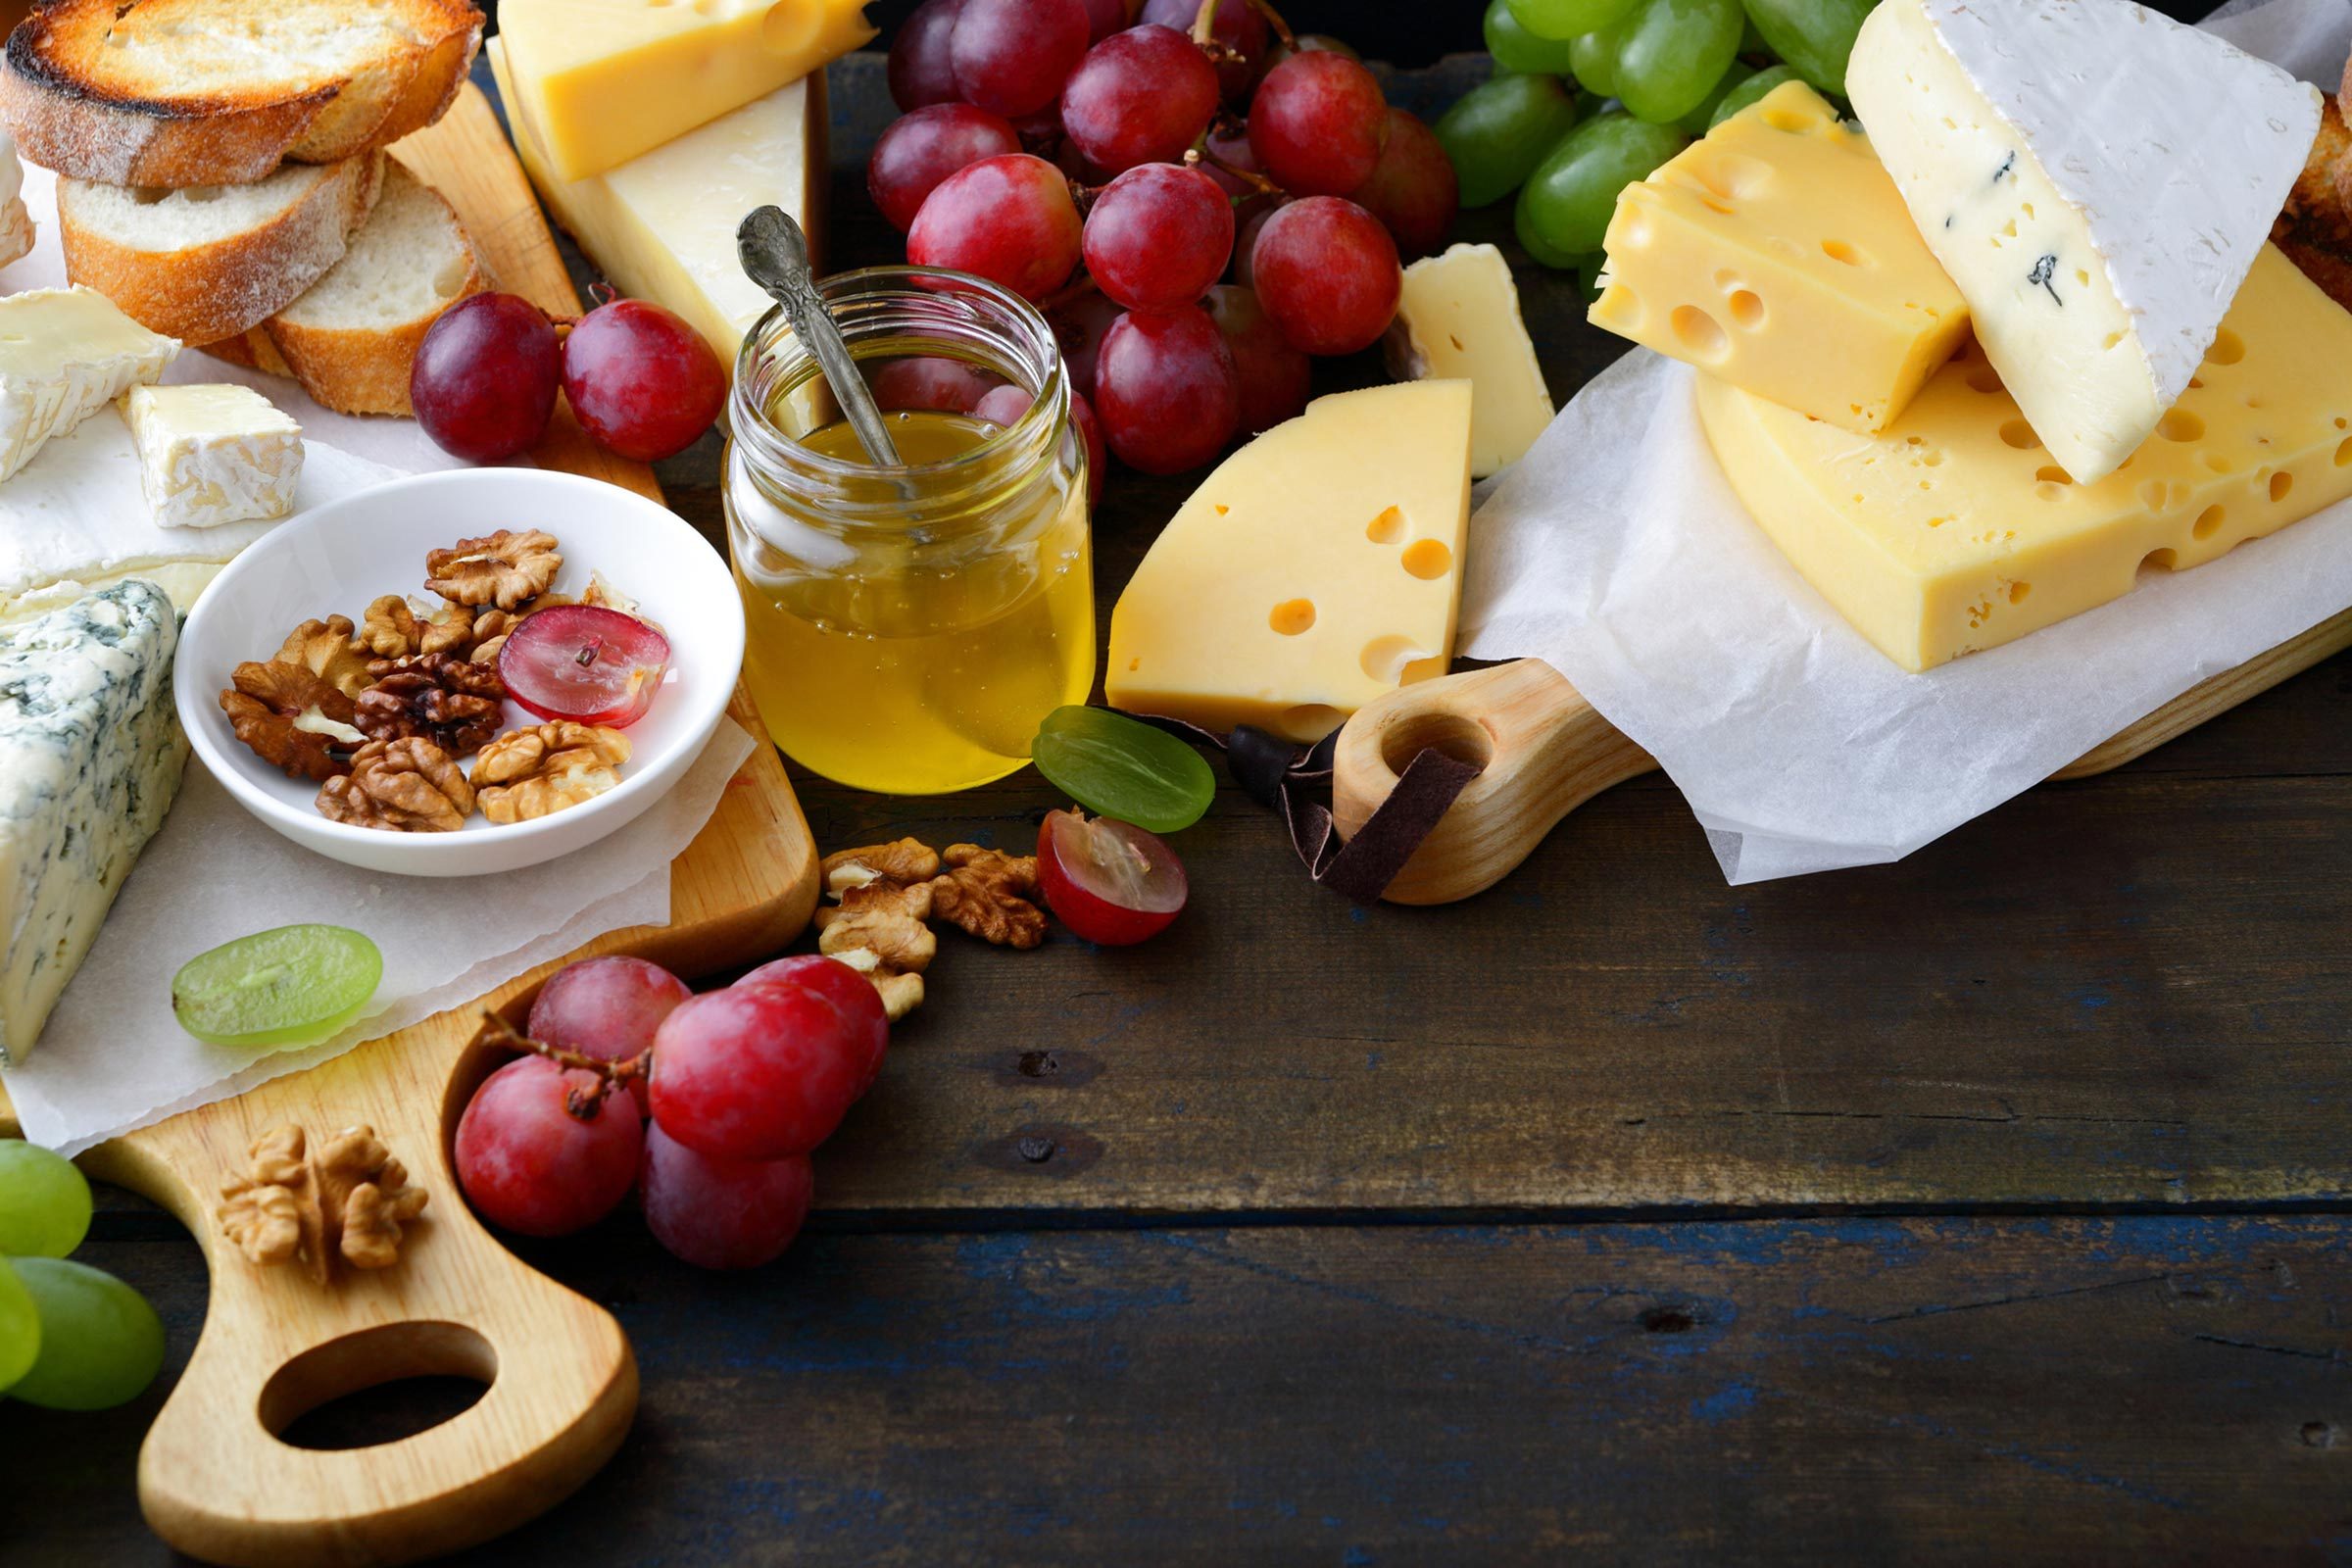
x,y
2315,227
351,339
211,261
219,92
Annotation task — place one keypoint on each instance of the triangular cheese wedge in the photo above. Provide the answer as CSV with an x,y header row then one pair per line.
x,y
1317,568
2095,178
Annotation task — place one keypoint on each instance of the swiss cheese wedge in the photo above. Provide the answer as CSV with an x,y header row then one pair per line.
x,y
1316,568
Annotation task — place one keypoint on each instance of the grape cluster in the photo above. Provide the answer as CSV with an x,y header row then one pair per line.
x,y
71,1336
1239,199
709,1105
1591,95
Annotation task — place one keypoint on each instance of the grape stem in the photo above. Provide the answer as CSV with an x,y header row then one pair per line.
x,y
582,1104
1251,178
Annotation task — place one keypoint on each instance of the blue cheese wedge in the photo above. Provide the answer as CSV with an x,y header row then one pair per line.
x,y
2096,180
211,455
65,354
90,756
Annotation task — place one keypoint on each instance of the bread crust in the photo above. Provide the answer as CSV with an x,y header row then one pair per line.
x,y
67,114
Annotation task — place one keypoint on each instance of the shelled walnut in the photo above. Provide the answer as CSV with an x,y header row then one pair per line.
x,y
392,628
541,770
888,892
348,1199
987,894
401,786
507,568
328,649
292,719
454,703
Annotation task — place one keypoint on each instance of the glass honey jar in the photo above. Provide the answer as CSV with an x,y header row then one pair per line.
x,y
909,626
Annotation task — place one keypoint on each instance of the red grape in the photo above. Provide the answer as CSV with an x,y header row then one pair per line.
x,y
1231,145
723,1213
484,382
1317,122
529,1164
1104,17
585,662
1275,377
1166,390
1238,26
1412,190
1142,96
929,382
641,381
922,65
1244,245
924,147
1158,236
1097,461
1327,273
607,1009
1079,325
763,1072
1308,43
1008,219
849,990
1012,56
1041,133
1111,883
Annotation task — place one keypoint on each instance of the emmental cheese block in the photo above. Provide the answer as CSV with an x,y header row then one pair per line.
x,y
1316,568
602,82
2095,178
1956,530
1458,319
1775,255
663,226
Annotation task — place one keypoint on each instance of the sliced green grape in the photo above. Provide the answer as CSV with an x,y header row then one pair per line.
x,y
1565,19
19,1328
1813,36
1750,91
1567,201
1672,53
101,1342
44,1204
293,986
1123,768
1696,122
1498,132
1514,48
1593,61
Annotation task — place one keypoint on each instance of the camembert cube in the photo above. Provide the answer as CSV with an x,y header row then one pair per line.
x,y
1460,318
1315,570
65,354
210,454
1777,255
1955,530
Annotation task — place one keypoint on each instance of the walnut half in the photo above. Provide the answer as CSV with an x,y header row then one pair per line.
x,y
536,772
292,719
506,568
455,704
348,1200
401,786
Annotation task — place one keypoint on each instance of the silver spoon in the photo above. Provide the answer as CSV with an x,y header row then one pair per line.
x,y
775,256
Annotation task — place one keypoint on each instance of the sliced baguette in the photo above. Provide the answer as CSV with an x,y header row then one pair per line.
x,y
351,339
212,261
219,92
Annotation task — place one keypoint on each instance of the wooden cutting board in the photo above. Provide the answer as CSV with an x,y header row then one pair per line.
x,y
215,1479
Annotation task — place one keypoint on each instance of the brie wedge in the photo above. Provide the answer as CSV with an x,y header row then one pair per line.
x,y
210,454
65,354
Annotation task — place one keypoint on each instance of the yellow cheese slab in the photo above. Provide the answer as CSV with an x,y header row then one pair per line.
x,y
1775,254
663,226
1955,532
1458,317
1319,568
602,82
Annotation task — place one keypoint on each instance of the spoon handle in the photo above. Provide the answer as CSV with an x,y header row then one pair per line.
x,y
775,254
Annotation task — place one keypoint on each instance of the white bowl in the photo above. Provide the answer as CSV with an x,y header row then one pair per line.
x,y
335,558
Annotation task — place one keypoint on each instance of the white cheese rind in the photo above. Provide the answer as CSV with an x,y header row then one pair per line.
x,y
213,455
16,224
2095,178
65,354
90,756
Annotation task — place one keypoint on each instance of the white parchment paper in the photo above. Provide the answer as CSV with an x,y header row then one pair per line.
x,y
1616,551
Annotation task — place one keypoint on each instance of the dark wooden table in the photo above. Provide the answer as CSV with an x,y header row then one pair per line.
x,y
1989,1206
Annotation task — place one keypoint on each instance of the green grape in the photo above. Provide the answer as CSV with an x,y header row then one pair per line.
x,y
1560,20
1542,250
1569,198
1121,767
1697,120
1752,43
1497,132
1814,35
19,1328
1750,91
1593,61
292,986
1587,275
1514,48
44,1204
101,1342
1673,53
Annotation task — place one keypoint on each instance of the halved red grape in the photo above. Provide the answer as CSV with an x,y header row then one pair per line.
x,y
1275,377
1012,56
1008,219
1111,883
723,1213
1158,236
1238,26
1326,271
1317,124
484,379
1413,190
1166,390
922,63
847,989
641,381
529,1164
921,148
1142,96
763,1072
585,662
607,1009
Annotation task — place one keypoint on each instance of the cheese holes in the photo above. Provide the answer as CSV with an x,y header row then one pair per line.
x,y
1748,309
2019,434
2051,474
1838,250
1387,528
2208,523
2344,452
2280,484
2215,462
1791,121
1310,722
2153,495
1293,617
2018,592
1984,378
1385,659
1700,335
2179,424
1428,558
2159,560
2228,348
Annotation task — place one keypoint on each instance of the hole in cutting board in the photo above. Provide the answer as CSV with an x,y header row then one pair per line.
x,y
1465,740
377,1386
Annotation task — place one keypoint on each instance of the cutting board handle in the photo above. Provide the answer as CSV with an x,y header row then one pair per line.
x,y
1545,751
